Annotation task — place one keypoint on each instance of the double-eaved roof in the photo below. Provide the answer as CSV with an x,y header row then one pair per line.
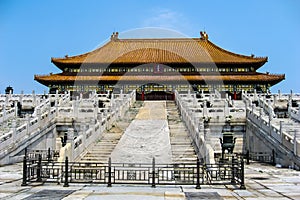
x,y
168,51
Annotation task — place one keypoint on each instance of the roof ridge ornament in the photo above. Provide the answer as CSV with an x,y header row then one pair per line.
x,y
204,35
114,36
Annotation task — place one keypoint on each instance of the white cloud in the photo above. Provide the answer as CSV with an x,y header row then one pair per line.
x,y
166,18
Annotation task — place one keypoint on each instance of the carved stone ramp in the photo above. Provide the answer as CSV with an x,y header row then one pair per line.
x,y
147,137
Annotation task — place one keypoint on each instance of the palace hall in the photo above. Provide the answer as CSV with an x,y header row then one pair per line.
x,y
160,66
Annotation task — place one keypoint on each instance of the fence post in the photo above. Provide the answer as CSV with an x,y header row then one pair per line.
x,y
39,169
24,182
153,173
49,155
248,157
242,187
66,183
233,169
198,174
273,157
204,177
109,172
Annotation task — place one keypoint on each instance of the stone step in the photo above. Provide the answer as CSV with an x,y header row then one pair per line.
x,y
184,154
182,149
104,161
102,149
181,142
106,143
96,155
176,151
103,144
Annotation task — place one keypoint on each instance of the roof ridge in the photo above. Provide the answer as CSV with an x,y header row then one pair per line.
x,y
143,39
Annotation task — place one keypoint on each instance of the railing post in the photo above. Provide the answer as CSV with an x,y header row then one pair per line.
x,y
198,174
109,173
233,170
24,181
153,173
242,187
25,151
248,157
273,157
49,155
66,183
204,177
39,169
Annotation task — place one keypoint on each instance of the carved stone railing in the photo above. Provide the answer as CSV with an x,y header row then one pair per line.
x,y
96,124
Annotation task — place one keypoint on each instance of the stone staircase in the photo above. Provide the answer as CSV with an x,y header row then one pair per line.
x,y
182,148
101,150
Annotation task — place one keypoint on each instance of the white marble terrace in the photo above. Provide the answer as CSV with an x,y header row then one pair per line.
x,y
38,128
49,110
263,110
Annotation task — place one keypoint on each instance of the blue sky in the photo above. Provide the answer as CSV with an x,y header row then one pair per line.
x,y
31,32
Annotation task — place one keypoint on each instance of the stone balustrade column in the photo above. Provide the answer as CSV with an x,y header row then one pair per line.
x,y
48,109
4,112
274,97
16,108
21,96
10,94
205,111
194,100
271,112
121,94
56,97
39,116
296,143
189,93
83,133
280,127
70,139
34,100
292,95
226,109
27,117
289,106
255,95
76,107
14,130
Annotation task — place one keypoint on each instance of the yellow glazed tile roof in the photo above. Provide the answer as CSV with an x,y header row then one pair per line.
x,y
171,50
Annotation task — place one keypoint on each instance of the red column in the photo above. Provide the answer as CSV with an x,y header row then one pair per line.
x,y
143,96
234,95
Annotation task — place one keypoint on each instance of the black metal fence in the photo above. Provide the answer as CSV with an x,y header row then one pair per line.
x,y
49,170
264,157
